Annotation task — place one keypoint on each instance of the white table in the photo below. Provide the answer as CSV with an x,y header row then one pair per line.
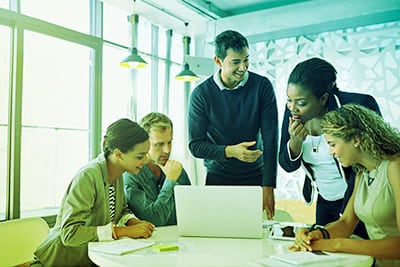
x,y
210,252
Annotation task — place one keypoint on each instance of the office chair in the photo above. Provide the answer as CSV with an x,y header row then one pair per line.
x,y
20,238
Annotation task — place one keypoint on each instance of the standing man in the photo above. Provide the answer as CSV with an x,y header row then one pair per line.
x,y
233,122
150,193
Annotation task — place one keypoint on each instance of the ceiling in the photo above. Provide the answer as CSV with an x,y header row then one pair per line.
x,y
261,20
174,13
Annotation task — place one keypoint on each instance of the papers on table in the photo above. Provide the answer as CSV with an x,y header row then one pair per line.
x,y
121,246
305,258
309,259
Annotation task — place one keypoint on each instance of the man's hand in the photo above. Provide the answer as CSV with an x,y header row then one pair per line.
x,y
135,229
242,153
269,201
172,169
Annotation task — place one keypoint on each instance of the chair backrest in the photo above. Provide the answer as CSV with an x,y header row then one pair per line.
x,y
19,238
282,216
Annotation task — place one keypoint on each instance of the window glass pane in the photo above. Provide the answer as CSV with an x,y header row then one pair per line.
x,y
161,85
4,4
162,41
144,36
116,25
178,116
4,89
73,14
177,48
117,87
55,113
143,90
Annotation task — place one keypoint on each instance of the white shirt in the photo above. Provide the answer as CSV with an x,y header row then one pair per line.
x,y
330,184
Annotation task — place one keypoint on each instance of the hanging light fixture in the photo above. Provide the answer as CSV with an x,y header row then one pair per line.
x,y
134,60
186,74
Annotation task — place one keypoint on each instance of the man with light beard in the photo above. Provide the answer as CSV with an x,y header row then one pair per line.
x,y
150,193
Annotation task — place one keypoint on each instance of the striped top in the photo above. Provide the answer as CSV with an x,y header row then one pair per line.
x,y
111,193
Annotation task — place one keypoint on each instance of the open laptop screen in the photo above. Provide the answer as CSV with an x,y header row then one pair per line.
x,y
219,211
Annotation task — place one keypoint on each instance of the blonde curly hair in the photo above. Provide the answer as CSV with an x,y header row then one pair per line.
x,y
377,137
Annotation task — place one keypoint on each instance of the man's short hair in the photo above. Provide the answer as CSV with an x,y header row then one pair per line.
x,y
156,121
229,39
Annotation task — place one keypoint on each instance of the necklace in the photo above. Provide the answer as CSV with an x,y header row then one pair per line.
x,y
372,175
315,147
370,180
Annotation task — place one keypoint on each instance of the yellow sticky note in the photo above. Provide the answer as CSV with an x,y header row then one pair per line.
x,y
165,247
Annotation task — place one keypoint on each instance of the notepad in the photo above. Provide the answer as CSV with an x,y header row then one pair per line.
x,y
303,258
121,246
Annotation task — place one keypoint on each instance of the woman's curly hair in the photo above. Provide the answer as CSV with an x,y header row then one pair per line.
x,y
377,137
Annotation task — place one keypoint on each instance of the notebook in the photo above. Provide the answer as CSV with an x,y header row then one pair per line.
x,y
306,258
219,211
121,246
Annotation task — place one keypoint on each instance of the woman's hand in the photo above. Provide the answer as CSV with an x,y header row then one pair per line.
x,y
305,240
297,131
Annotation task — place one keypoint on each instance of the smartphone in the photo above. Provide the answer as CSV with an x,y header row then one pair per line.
x,y
285,232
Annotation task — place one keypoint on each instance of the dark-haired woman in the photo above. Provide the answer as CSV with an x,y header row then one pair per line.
x,y
94,207
311,92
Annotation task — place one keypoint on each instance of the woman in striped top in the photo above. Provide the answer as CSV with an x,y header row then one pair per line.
x,y
94,207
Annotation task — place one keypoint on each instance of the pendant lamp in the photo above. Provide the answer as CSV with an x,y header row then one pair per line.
x,y
186,74
134,60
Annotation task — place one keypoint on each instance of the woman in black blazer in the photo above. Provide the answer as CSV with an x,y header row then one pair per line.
x,y
311,92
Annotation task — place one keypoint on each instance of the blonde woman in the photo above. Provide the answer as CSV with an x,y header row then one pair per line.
x,y
360,138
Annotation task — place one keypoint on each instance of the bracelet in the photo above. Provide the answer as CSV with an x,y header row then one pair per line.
x,y
324,232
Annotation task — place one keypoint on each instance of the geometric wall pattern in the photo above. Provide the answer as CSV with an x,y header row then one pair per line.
x,y
366,58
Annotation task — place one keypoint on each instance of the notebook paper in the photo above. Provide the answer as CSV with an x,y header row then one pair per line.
x,y
121,246
304,258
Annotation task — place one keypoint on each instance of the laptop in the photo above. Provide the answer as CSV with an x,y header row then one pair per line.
x,y
219,211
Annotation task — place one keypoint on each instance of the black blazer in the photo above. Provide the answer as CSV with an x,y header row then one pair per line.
x,y
290,166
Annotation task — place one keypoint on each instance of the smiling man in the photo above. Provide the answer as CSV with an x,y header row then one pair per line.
x,y
233,122
150,193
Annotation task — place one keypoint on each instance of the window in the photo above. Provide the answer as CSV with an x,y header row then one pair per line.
x,y
161,85
4,95
142,86
55,116
117,87
178,116
177,50
144,36
73,14
4,4
116,26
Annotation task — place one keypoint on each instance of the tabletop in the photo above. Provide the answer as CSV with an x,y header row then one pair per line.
x,y
212,252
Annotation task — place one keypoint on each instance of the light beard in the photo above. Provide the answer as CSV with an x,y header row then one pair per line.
x,y
162,161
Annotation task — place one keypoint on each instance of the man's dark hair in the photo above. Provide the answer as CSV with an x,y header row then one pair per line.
x,y
229,39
